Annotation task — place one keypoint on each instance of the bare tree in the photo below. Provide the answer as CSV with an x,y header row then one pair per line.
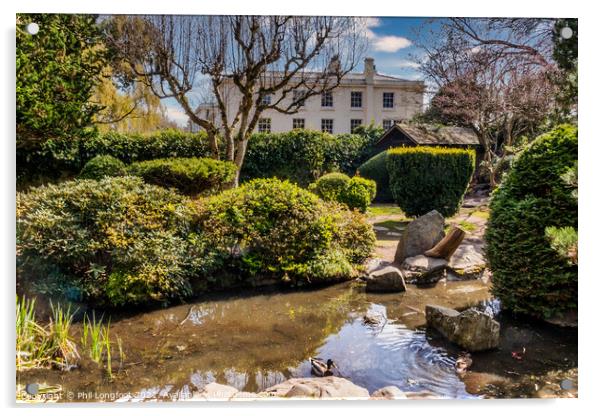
x,y
240,60
494,76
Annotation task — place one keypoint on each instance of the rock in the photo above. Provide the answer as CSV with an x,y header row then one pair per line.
x,y
423,269
388,393
318,388
468,262
388,279
245,395
471,329
373,319
420,235
422,395
215,391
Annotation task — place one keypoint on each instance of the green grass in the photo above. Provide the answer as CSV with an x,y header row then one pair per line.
x,y
467,226
377,210
481,214
391,225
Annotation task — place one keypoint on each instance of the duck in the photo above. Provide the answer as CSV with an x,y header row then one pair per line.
x,y
463,363
320,368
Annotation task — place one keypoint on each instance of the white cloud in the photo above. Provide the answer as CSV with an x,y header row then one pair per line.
x,y
390,43
405,63
176,115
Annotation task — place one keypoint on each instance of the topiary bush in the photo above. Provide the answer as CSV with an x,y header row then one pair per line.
x,y
359,193
269,228
529,274
190,176
355,193
375,168
114,242
423,179
102,166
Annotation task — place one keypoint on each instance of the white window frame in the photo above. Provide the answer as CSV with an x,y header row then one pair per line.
x,y
296,94
386,99
264,125
355,94
325,121
266,99
352,127
389,122
327,100
302,120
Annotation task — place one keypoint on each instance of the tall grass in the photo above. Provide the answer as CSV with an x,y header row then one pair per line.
x,y
34,348
60,326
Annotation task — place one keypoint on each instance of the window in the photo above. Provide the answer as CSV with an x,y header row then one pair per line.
x,y
355,122
356,99
327,100
298,123
327,125
298,96
264,125
388,101
387,124
266,100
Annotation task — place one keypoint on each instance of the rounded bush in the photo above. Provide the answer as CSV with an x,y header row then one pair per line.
x,y
102,166
330,186
423,179
358,194
375,168
114,242
269,228
529,275
190,176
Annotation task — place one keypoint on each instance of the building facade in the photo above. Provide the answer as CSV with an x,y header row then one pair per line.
x,y
360,99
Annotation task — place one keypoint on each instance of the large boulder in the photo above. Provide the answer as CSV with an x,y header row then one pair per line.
x,y
388,393
420,235
468,262
470,329
423,269
317,388
388,279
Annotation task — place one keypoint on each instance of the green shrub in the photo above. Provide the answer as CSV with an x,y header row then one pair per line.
x,y
268,228
302,156
330,186
190,176
529,274
359,193
422,179
116,241
375,168
101,166
356,192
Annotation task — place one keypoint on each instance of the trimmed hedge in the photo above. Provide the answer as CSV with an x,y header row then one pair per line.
x,y
66,157
113,242
422,179
529,274
268,228
101,166
190,176
302,156
375,168
355,193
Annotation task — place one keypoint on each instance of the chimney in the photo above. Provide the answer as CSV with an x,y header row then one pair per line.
x,y
369,70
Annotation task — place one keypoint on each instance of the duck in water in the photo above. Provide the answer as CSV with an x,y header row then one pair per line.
x,y
320,368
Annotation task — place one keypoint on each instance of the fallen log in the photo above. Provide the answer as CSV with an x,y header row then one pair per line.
x,y
445,248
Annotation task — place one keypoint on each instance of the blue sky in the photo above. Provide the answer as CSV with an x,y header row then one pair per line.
x,y
390,44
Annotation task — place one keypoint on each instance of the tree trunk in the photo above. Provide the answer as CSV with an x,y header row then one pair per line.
x,y
445,248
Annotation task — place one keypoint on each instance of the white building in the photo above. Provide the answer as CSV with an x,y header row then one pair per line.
x,y
360,99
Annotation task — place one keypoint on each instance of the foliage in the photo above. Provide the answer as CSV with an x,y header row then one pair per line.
x,y
57,70
302,156
376,169
101,166
116,241
268,228
529,275
564,240
68,156
190,176
429,178
565,53
355,193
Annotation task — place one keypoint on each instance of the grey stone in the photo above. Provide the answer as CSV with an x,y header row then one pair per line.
x,y
420,235
468,262
471,329
388,393
388,279
319,388
423,269
215,391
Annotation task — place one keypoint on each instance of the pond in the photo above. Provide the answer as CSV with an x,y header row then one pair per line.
x,y
258,338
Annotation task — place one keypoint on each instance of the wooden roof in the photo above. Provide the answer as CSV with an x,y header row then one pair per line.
x,y
429,135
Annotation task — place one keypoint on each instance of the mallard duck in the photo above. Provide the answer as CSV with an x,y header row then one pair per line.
x,y
321,368
463,363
